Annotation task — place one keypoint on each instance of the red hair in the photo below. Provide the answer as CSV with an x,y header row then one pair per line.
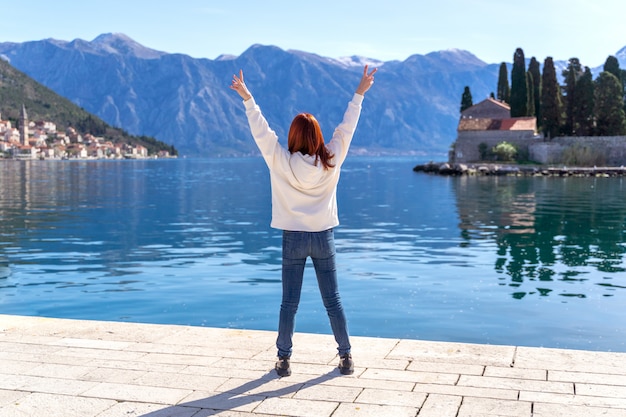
x,y
305,136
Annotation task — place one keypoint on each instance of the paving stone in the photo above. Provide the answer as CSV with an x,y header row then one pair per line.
x,y
571,360
377,362
587,377
127,392
409,376
8,366
45,357
254,365
134,409
327,393
373,410
177,380
564,410
599,390
446,368
482,407
276,387
91,343
222,401
178,359
453,353
389,397
59,371
375,347
55,385
119,376
136,366
439,405
29,348
516,373
99,353
516,384
8,397
13,381
371,383
533,396
230,373
296,407
455,390
50,405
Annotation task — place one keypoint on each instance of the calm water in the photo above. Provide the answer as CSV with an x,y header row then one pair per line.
x,y
523,261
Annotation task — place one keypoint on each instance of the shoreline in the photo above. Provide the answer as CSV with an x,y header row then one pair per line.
x,y
514,170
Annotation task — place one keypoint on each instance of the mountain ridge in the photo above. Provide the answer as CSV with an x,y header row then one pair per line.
x,y
414,106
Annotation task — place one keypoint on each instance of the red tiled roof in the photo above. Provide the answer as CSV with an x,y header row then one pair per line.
x,y
516,123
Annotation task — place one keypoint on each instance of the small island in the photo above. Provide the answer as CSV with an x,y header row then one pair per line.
x,y
537,127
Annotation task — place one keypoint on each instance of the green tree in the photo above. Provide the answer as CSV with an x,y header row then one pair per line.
x,y
504,151
585,103
612,65
519,89
535,71
466,99
609,106
504,91
551,104
530,106
571,75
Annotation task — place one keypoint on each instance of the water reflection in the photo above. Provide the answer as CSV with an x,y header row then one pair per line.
x,y
551,233
188,242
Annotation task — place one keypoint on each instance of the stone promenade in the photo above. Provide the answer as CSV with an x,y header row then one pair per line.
x,y
72,368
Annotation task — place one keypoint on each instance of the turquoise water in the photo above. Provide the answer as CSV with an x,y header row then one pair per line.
x,y
522,261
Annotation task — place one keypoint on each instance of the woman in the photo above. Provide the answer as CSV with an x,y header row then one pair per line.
x,y
304,181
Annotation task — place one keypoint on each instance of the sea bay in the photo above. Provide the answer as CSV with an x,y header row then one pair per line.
x,y
500,260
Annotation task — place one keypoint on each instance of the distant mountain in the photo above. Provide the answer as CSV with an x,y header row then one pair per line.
x,y
414,106
17,89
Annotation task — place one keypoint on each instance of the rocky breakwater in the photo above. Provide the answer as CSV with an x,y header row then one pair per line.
x,y
445,168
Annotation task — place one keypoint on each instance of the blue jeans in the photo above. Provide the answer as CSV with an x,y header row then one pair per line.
x,y
320,246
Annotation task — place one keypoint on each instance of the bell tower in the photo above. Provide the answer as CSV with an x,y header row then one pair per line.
x,y
24,126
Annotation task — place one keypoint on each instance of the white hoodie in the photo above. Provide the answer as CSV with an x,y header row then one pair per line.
x,y
304,195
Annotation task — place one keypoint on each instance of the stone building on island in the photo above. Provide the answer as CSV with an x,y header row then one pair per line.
x,y
490,123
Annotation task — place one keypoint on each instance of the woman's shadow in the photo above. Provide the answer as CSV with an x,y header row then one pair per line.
x,y
238,397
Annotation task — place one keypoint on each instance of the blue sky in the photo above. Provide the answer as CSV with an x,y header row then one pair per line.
x,y
385,29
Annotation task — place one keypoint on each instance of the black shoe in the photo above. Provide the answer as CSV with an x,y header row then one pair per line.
x,y
346,366
282,366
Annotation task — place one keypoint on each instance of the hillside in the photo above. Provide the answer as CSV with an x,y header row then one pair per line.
x,y
16,88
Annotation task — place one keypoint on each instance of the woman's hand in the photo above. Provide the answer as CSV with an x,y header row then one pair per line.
x,y
366,81
240,87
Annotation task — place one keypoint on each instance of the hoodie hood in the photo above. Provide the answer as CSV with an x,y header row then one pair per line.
x,y
306,174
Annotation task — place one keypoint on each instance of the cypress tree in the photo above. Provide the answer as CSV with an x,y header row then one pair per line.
x,y
585,94
533,68
609,108
530,106
466,99
612,65
551,106
571,76
519,89
504,91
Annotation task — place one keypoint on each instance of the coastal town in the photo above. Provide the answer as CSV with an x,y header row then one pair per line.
x,y
41,140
